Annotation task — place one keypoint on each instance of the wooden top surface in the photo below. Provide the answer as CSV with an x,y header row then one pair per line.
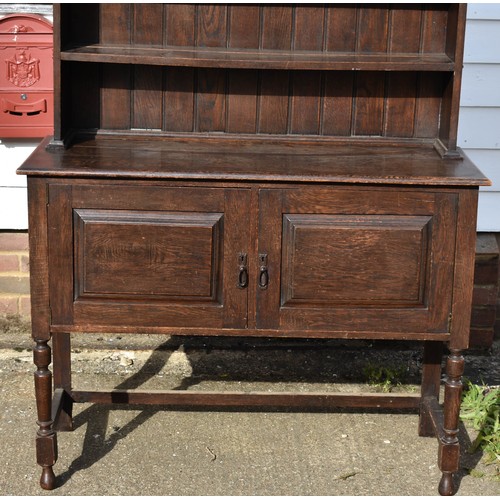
x,y
251,160
215,57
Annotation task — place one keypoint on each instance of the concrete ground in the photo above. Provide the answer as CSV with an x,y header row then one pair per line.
x,y
151,451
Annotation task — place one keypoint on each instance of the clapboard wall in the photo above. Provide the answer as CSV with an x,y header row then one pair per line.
x,y
479,125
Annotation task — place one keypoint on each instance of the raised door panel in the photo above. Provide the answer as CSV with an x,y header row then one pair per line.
x,y
363,260
358,261
148,256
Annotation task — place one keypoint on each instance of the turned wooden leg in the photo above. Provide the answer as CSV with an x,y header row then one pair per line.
x,y
431,383
449,448
46,439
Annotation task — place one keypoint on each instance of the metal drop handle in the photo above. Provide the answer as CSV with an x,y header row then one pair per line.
x,y
263,273
243,271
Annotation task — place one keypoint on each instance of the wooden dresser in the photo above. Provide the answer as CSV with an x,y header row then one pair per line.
x,y
246,170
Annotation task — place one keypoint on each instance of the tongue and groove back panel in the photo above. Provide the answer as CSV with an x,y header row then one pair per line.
x,y
220,98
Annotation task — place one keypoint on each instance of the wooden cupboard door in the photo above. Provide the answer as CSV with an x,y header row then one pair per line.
x,y
357,260
148,256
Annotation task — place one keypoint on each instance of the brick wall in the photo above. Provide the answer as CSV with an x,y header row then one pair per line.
x,y
496,334
485,298
485,322
14,273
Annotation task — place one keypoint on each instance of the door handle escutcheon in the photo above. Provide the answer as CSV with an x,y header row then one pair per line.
x,y
263,272
243,271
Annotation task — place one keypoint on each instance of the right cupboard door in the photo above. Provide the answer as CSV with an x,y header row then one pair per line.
x,y
356,260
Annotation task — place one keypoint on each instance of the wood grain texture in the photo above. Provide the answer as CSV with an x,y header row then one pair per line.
x,y
306,103
116,23
211,26
136,157
148,255
337,103
39,266
372,29
197,398
221,40
269,241
147,104
236,242
341,28
211,101
148,250
242,101
399,116
60,233
428,104
221,57
405,29
305,285
179,100
309,28
244,26
148,25
116,97
270,170
434,29
431,385
180,24
277,27
464,274
274,108
328,259
369,107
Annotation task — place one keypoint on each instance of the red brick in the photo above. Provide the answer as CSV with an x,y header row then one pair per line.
x,y
486,272
496,331
14,285
8,304
486,245
9,263
481,337
485,295
13,241
25,305
25,263
483,317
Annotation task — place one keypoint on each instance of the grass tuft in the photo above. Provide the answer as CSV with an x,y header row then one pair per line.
x,y
384,377
481,408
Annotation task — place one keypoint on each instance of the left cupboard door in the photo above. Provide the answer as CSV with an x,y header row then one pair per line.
x,y
148,255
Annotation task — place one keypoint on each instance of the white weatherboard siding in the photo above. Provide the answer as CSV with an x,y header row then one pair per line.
x,y
479,128
482,40
13,197
13,208
479,123
480,85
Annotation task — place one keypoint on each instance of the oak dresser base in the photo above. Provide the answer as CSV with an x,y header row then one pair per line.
x,y
55,410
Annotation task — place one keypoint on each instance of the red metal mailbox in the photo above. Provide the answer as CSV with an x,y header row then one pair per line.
x,y
26,77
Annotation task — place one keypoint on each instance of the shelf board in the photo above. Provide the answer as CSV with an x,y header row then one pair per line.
x,y
226,160
256,59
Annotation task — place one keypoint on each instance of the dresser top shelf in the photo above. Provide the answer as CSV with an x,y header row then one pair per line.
x,y
252,160
212,57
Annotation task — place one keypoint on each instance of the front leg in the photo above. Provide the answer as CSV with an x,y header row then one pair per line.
x,y
449,448
46,438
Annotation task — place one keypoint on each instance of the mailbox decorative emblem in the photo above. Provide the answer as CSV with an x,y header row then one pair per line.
x,y
26,76
22,69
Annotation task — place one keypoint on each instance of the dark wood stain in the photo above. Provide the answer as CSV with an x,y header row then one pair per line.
x,y
254,170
